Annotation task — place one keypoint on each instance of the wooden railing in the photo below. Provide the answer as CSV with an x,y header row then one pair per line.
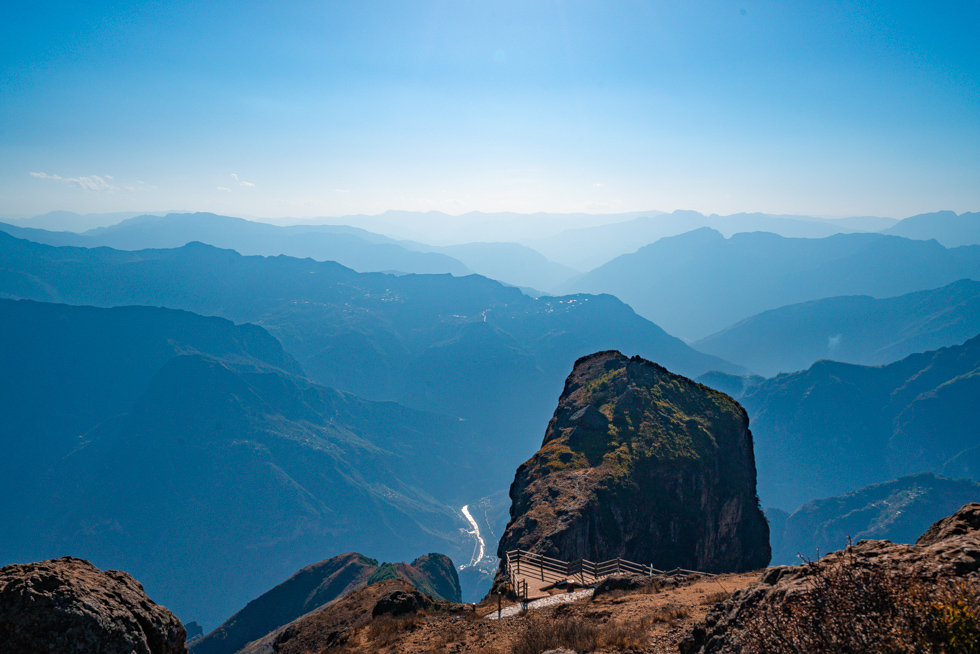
x,y
529,564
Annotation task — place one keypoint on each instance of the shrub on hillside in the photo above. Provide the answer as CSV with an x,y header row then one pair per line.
x,y
854,607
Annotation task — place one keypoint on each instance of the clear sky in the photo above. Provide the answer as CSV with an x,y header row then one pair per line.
x,y
330,108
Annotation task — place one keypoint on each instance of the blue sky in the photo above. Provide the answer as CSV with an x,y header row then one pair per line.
x,y
331,108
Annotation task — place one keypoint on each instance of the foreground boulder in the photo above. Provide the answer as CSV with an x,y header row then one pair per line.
x,y
69,605
870,597
642,464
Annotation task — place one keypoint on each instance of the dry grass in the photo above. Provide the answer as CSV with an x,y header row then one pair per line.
x,y
715,598
386,630
855,608
670,615
580,635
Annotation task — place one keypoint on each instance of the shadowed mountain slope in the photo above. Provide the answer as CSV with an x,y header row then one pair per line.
x,y
899,510
836,427
468,346
319,584
856,329
698,283
181,448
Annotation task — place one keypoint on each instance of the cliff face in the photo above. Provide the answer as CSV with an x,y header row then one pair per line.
x,y
642,464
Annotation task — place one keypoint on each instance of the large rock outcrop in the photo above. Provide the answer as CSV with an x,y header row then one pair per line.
x,y
948,552
69,605
642,464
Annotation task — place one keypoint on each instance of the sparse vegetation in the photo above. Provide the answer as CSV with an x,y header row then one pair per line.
x,y
715,598
852,607
671,615
385,630
580,635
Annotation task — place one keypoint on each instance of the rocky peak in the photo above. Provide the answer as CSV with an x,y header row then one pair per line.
x,y
643,464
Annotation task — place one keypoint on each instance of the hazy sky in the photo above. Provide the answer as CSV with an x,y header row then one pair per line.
x,y
329,108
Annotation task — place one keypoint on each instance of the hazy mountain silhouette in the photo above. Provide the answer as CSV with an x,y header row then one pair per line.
x,y
854,329
899,510
590,247
186,450
355,248
950,229
511,263
438,228
466,346
698,283
76,222
837,427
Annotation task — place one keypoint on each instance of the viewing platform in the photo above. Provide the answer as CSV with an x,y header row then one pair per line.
x,y
534,576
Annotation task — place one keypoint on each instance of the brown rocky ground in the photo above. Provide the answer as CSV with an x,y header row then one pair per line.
x,y
650,620
69,605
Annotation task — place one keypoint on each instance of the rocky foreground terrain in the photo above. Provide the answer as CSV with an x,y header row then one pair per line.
x,y
69,605
693,615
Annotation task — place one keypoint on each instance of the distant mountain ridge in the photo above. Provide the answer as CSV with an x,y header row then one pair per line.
x,y
466,346
837,427
700,282
855,329
587,248
950,229
352,247
899,510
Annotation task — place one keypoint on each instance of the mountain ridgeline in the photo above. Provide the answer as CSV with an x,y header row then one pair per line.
x,y
837,427
898,511
466,346
853,329
318,585
699,283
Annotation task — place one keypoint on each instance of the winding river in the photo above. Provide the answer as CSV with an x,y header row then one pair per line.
x,y
480,548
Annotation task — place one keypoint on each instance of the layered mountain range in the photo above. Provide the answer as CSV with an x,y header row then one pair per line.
x,y
191,452
837,427
469,346
898,511
853,329
700,282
